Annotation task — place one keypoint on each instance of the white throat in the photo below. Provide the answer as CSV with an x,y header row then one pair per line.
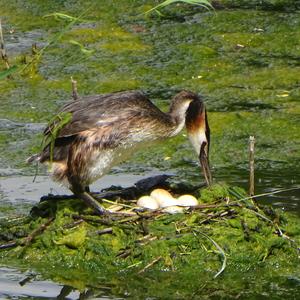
x,y
196,139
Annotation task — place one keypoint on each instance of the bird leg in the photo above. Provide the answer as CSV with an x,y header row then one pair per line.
x,y
82,193
91,202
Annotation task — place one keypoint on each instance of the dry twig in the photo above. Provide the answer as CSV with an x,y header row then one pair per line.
x,y
104,231
27,240
2,48
37,232
8,245
153,262
75,95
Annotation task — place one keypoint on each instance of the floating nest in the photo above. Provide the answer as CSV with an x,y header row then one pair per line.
x,y
223,244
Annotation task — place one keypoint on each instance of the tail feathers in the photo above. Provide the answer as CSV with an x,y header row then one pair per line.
x,y
35,157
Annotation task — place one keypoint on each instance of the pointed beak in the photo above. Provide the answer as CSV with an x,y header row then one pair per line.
x,y
204,161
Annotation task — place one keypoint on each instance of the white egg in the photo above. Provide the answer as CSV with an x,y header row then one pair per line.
x,y
173,209
147,202
167,202
163,198
187,200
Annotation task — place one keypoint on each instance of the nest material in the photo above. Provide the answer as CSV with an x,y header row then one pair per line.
x,y
226,233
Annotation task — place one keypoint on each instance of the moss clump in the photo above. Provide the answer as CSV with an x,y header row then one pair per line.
x,y
214,193
64,241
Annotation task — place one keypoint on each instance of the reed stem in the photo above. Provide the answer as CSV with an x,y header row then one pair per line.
x,y
75,95
251,165
2,48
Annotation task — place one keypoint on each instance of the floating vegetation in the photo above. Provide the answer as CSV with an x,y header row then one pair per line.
x,y
279,5
55,125
65,17
81,47
223,236
202,3
8,72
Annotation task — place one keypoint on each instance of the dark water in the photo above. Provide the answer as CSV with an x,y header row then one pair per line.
x,y
268,182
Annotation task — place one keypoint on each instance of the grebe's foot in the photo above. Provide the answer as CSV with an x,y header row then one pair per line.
x,y
91,202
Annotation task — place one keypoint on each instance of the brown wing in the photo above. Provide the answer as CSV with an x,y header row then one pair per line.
x,y
103,121
94,111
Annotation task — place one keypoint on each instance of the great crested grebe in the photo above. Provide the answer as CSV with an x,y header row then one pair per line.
x,y
105,129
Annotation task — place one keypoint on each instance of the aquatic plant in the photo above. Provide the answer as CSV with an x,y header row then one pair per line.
x,y
30,66
54,127
202,3
261,4
228,234
65,17
9,71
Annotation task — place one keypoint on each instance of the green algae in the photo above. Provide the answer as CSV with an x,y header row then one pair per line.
x,y
281,5
245,63
171,249
240,60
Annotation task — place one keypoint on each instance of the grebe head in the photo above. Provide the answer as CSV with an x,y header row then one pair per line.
x,y
199,132
188,108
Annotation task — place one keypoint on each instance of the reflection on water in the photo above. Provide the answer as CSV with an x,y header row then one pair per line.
x,y
15,284
267,182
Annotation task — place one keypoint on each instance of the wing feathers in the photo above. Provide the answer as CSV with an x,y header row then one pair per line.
x,y
87,112
105,121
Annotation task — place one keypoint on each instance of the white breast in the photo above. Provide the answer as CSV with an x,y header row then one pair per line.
x,y
101,162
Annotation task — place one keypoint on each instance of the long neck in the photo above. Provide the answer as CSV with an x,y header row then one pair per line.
x,y
197,125
177,113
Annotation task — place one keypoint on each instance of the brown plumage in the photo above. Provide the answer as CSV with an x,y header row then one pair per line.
x,y
105,129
